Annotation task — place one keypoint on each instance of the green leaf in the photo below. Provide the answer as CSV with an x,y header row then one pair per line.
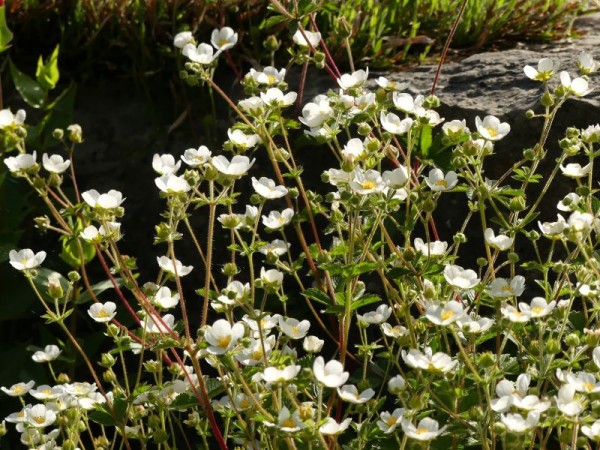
x,y
47,73
29,90
5,33
97,289
271,21
103,415
425,141
317,295
365,300
354,270
70,252
184,401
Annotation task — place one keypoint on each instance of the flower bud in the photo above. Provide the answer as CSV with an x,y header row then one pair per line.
x,y
432,102
486,359
529,114
476,413
513,257
154,422
74,276
58,134
63,378
230,269
319,59
54,287
592,340
429,205
572,340
68,444
3,429
547,99
460,238
271,43
517,203
482,262
112,330
42,222
583,191
344,28
533,235
364,129
107,360
75,133
572,133
109,376
529,154
152,366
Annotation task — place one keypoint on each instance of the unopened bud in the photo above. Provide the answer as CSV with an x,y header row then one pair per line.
x,y
75,133
58,133
271,43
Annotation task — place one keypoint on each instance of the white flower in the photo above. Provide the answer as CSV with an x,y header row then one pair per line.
x,y
583,382
545,69
587,64
183,38
569,202
331,374
235,292
265,187
45,392
435,248
439,361
242,140
166,264
172,184
392,123
276,247
25,259
196,157
274,375
276,220
517,424
491,128
574,170
390,85
312,344
257,352
459,277
315,114
553,229
502,288
253,105
455,128
163,298
539,307
293,327
269,76
591,133
275,97
444,314
380,315
272,277
21,162
39,416
500,242
580,222
50,353
396,178
165,164
354,150
355,79
8,119
516,315
103,312
578,87
287,422
592,432
349,393
154,323
222,337
396,385
469,325
331,427
19,389
566,401
55,163
312,37
405,102
112,199
395,331
388,422
437,181
367,182
223,39
427,429
238,166
203,54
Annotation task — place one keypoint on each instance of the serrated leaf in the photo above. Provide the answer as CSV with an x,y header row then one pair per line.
x,y
29,90
354,270
47,74
317,295
185,401
364,301
271,21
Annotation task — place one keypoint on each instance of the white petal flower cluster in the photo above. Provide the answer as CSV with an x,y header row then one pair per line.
x,y
221,39
21,163
26,259
427,360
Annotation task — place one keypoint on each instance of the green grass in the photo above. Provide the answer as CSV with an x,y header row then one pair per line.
x,y
133,37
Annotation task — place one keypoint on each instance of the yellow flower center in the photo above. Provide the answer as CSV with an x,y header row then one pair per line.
x,y
102,313
447,315
295,331
421,430
244,404
18,390
272,79
39,419
537,310
224,341
588,386
288,423
391,421
441,182
368,184
223,42
493,132
257,355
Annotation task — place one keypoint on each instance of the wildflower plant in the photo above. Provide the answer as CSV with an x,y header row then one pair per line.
x,y
338,316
